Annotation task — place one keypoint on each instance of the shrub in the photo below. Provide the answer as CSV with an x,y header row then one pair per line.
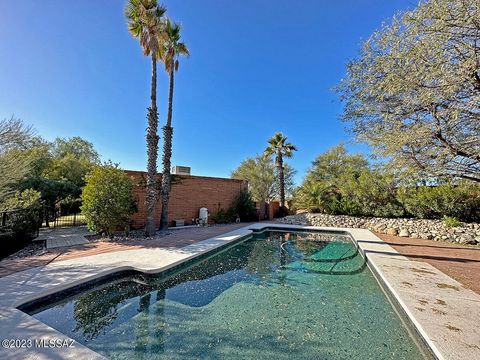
x,y
23,218
451,222
342,184
223,216
107,200
243,207
432,202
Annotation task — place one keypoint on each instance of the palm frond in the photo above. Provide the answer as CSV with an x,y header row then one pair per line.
x,y
278,144
172,48
145,21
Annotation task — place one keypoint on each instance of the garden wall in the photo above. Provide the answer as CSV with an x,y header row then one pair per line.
x,y
188,195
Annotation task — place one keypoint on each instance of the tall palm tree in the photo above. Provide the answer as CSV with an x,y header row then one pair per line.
x,y
171,50
279,147
146,23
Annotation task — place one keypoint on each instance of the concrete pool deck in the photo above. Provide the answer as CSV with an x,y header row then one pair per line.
x,y
445,313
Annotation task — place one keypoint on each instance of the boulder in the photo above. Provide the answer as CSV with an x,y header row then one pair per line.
x,y
467,239
425,236
404,233
391,231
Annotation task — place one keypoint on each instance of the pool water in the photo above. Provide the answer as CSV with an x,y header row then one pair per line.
x,y
278,295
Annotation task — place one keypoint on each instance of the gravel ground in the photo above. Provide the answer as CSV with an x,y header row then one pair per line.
x,y
33,249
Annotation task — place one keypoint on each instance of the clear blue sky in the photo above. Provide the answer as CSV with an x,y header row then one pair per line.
x,y
256,67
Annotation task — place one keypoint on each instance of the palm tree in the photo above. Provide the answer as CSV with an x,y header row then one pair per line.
x,y
146,23
171,50
279,147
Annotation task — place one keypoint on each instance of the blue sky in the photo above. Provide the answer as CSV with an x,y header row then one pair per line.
x,y
256,67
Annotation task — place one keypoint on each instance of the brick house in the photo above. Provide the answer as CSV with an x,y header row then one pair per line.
x,y
188,194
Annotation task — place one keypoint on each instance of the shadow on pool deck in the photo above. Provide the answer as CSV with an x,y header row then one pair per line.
x,y
176,239
460,262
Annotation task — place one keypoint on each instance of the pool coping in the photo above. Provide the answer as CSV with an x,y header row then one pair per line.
x,y
444,313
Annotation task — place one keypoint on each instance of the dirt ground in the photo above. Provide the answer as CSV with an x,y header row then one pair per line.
x,y
461,262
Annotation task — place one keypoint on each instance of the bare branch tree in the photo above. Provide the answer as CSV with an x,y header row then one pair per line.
x,y
414,92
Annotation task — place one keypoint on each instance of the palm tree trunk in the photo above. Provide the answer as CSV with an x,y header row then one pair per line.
x,y
152,153
167,153
281,176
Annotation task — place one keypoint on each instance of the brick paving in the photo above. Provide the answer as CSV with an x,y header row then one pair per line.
x,y
176,239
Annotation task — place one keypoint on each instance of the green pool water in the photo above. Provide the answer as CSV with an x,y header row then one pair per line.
x,y
278,295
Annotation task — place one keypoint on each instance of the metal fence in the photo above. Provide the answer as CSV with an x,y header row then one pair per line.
x,y
76,219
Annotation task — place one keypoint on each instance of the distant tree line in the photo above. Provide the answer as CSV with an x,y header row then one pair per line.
x,y
37,177
348,184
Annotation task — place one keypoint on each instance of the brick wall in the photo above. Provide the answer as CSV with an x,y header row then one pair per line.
x,y
188,195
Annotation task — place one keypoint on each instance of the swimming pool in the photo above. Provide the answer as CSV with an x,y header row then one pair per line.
x,y
277,294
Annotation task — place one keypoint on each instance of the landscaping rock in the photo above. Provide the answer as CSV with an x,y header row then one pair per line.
x,y
391,231
467,239
414,228
404,233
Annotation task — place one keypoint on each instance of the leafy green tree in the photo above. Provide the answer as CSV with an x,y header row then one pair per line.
x,y
107,199
414,91
51,191
171,50
280,148
146,23
14,137
343,183
261,174
315,195
57,169
336,162
330,171
71,160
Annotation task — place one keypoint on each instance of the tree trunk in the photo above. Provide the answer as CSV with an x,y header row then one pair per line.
x,y
167,153
281,176
152,153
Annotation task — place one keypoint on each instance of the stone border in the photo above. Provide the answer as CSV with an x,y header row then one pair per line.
x,y
427,229
443,312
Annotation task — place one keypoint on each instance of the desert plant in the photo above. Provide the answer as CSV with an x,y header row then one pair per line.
x,y
244,207
451,221
107,199
261,175
223,216
280,148
413,92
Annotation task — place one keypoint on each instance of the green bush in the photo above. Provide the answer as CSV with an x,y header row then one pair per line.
x,y
343,184
451,222
242,207
373,193
223,216
107,199
461,201
24,212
